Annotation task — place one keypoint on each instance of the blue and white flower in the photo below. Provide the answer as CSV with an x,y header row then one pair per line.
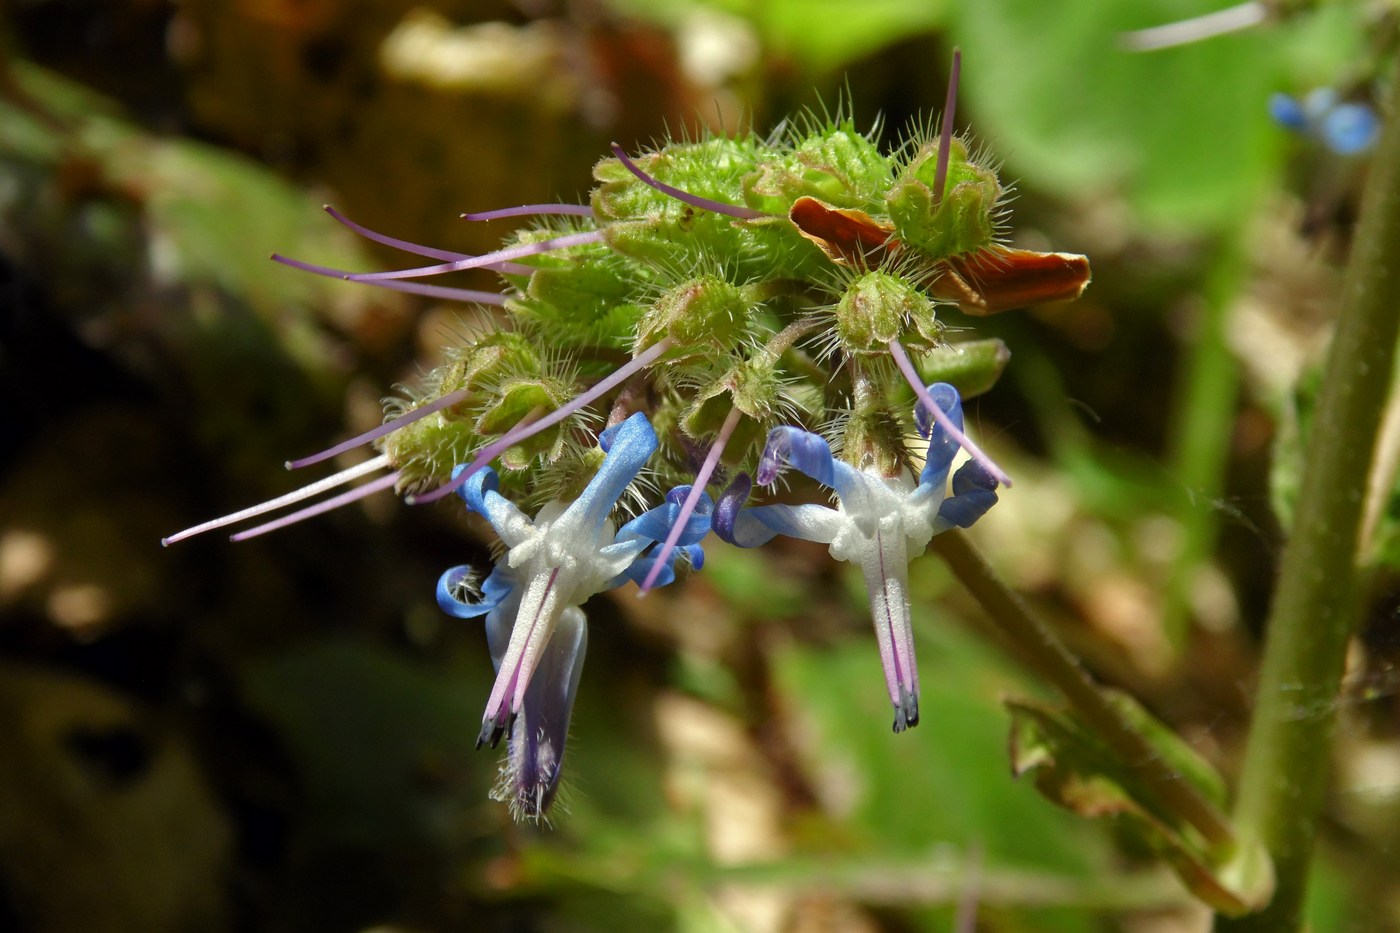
x,y
880,523
1344,127
535,627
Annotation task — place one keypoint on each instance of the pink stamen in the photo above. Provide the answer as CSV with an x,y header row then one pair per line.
x,y
486,260
531,210
912,377
694,200
335,502
414,288
418,249
901,635
518,434
447,293
305,492
945,138
388,427
521,659
405,245
697,489
885,580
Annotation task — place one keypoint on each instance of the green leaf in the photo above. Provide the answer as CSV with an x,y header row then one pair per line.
x,y
819,35
1077,771
1182,134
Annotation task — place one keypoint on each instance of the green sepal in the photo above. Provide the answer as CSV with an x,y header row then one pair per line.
x,y
546,444
755,387
878,307
972,367
873,439
837,166
585,299
486,361
705,314
641,222
426,451
1076,770
965,220
513,402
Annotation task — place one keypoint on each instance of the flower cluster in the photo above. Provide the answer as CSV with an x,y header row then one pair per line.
x,y
715,304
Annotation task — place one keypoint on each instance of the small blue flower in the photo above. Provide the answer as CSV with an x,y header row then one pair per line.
x,y
554,562
1345,128
881,523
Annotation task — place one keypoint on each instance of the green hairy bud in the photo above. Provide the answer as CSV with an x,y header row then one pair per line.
x,y
960,219
879,307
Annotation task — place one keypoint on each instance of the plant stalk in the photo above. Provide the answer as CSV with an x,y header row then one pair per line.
x,y
1317,600
1044,652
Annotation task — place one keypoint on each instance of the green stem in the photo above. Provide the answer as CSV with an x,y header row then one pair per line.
x,y
1316,602
1044,652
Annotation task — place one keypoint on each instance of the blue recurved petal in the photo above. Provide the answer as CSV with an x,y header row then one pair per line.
x,y
639,569
974,492
629,446
480,494
732,523
803,450
454,592
474,490
656,524
942,448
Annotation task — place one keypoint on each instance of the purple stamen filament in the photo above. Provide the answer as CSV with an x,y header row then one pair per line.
x,y
335,502
524,431
405,245
388,427
697,489
902,360
486,260
694,200
413,288
305,492
531,210
945,137
417,249
508,693
896,643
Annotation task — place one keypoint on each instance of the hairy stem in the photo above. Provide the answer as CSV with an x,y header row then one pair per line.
x,y
1044,653
1317,599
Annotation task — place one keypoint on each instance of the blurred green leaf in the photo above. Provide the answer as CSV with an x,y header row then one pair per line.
x,y
819,35
944,783
383,747
1073,768
1182,134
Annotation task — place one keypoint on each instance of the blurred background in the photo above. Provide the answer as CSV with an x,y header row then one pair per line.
x,y
278,735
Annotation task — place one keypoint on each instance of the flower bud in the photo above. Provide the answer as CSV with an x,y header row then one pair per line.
x,y
879,307
873,441
972,367
704,315
963,220
837,166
